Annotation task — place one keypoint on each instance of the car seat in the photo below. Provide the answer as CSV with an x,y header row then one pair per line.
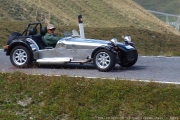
x,y
43,31
32,31
39,38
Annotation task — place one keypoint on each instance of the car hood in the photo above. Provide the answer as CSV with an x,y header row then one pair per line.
x,y
85,41
102,42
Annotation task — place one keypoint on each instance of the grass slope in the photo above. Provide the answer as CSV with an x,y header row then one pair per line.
x,y
52,97
101,13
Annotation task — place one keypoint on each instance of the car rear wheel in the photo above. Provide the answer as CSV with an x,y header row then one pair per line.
x,y
104,60
20,56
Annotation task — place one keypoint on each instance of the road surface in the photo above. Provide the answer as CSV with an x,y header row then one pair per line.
x,y
151,68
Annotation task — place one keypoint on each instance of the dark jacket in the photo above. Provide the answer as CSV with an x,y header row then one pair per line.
x,y
51,39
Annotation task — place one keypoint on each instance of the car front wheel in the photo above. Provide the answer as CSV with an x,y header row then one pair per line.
x,y
104,60
20,56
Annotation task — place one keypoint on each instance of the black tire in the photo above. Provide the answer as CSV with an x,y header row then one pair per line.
x,y
104,60
13,36
20,57
130,63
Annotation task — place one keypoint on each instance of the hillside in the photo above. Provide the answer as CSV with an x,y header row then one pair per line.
x,y
101,13
103,19
166,6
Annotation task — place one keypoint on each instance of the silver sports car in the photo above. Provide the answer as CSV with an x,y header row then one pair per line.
x,y
29,47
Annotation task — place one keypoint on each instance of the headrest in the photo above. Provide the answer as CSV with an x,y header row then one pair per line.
x,y
32,31
43,31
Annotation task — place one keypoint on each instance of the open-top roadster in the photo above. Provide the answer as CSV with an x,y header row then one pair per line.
x,y
29,47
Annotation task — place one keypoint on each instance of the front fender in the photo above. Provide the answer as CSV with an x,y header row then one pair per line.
x,y
109,48
125,48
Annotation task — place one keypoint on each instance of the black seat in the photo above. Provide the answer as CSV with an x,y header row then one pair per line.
x,y
43,31
39,38
32,31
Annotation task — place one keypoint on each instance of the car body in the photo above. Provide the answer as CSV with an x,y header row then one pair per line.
x,y
29,47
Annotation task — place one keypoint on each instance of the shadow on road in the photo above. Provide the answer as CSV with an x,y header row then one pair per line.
x,y
67,66
117,68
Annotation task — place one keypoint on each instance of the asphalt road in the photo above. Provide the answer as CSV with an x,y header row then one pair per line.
x,y
160,69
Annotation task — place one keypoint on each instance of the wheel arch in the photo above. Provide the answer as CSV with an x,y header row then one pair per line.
x,y
99,48
14,44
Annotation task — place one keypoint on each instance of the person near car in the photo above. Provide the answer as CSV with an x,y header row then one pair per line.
x,y
50,38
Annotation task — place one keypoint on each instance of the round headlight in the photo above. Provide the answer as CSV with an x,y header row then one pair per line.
x,y
127,39
113,40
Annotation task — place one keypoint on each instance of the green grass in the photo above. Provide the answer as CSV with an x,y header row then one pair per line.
x,y
50,97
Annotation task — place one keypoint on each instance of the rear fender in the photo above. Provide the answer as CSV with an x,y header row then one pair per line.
x,y
18,43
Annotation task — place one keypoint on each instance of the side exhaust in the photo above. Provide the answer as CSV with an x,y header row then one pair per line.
x,y
81,26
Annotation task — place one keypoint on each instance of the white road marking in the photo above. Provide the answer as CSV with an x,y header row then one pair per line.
x,y
161,82
161,56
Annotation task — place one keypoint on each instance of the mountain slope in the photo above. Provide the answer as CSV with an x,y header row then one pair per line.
x,y
166,6
96,13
